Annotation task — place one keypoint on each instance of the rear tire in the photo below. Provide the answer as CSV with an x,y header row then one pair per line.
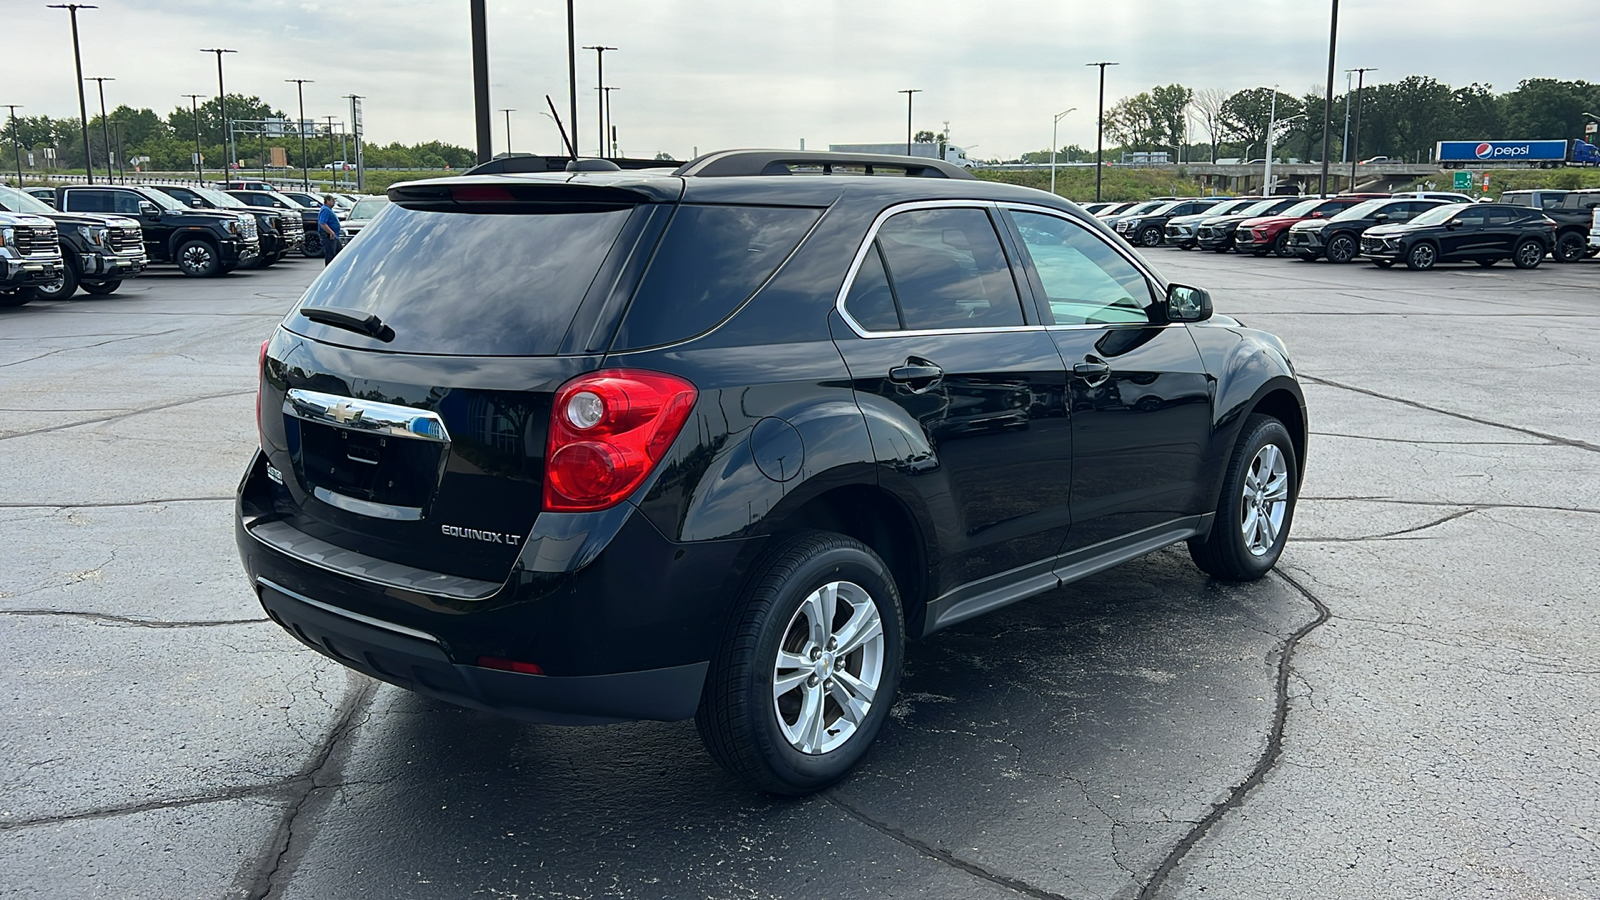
x,y
102,288
1486,263
1570,248
755,710
1528,255
1383,263
1257,506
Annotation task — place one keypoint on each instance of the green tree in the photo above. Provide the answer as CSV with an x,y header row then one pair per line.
x,y
1244,117
1547,109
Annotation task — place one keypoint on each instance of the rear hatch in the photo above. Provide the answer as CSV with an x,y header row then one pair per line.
x,y
419,437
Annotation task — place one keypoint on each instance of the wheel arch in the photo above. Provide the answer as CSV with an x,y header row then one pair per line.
x,y
185,235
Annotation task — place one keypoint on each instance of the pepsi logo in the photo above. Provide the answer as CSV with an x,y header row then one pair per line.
x,y
1484,150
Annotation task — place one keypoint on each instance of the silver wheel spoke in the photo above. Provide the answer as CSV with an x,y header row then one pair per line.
x,y
1269,533
810,722
863,626
783,684
1278,488
819,609
853,696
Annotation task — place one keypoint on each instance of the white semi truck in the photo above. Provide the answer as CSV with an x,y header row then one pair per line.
x,y
952,153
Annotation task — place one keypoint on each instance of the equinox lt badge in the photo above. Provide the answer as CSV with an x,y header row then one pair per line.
x,y
492,537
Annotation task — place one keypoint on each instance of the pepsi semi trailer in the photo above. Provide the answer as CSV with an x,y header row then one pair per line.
x,y
1545,154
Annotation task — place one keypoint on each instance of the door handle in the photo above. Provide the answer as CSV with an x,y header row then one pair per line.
x,y
919,374
1093,370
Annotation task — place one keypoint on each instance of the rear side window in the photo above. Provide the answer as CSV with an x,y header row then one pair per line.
x,y
948,270
88,201
710,261
460,284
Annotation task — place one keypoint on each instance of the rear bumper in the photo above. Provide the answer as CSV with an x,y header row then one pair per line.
x,y
418,662
621,621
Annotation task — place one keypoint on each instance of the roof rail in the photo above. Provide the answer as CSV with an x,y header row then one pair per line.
x,y
786,162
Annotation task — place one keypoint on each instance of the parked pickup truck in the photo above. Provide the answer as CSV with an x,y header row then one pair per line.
x,y
203,242
1573,212
280,231
30,255
97,252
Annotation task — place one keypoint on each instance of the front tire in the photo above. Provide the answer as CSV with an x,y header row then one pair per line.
x,y
199,259
808,666
1528,255
1422,256
1341,249
1280,246
1383,263
1570,248
102,288
1257,506
1149,236
16,296
60,289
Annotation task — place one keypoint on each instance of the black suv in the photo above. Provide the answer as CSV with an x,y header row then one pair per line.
x,y
767,421
310,238
1217,233
97,252
1180,230
1149,229
1572,211
280,231
203,242
1484,233
1339,238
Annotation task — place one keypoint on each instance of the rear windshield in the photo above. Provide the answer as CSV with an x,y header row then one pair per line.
x,y
710,261
468,285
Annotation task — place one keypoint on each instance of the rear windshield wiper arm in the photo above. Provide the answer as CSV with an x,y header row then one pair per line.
x,y
351,320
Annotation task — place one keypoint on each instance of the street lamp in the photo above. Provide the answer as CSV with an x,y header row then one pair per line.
x,y
610,128
77,60
1272,129
199,166
300,126
508,113
600,98
222,99
105,130
1100,127
909,92
1355,150
1054,144
1327,102
16,138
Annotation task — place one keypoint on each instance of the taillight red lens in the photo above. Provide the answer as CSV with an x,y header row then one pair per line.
x,y
608,429
261,384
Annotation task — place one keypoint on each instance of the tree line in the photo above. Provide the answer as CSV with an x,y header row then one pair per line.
x,y
169,142
1400,120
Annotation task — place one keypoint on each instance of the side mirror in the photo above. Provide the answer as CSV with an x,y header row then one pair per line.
x,y
1381,217
1316,215
1453,224
196,203
1187,304
149,210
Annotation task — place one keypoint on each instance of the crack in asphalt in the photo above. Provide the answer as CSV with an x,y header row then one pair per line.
x,y
109,504
1543,435
1445,503
1408,441
313,791
242,792
125,620
112,340
926,849
1389,534
127,414
1269,756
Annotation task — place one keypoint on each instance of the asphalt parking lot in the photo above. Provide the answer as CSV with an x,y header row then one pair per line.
x,y
1406,710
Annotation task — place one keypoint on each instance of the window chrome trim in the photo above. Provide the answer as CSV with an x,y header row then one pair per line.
x,y
368,416
872,236
347,614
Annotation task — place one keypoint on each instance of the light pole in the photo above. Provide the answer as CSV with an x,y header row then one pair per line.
x,y
1100,128
16,138
1054,145
909,92
1272,130
77,60
611,129
300,126
1327,102
357,130
508,113
105,128
572,81
222,99
1345,156
600,105
480,79
1355,149
334,182
199,165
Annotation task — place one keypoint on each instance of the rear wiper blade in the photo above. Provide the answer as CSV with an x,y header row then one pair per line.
x,y
350,320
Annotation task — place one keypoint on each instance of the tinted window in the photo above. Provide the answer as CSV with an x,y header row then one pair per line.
x,y
1472,217
1551,201
710,261
1504,216
948,270
870,301
466,284
1085,280
89,201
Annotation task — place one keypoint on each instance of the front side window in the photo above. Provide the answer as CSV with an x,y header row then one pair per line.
x,y
1471,217
1086,281
945,269
90,201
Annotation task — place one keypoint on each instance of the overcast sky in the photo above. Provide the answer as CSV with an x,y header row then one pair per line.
x,y
746,73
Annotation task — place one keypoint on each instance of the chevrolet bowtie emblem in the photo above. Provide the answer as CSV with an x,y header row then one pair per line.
x,y
343,414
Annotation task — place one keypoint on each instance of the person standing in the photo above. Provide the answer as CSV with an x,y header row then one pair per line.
x,y
328,229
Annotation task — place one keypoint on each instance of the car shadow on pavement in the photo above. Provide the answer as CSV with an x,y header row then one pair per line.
x,y
1060,747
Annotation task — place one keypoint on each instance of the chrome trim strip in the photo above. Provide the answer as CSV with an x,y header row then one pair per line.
x,y
367,416
301,547
367,507
347,614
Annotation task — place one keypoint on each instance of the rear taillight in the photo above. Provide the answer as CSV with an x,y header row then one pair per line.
x,y
261,385
608,430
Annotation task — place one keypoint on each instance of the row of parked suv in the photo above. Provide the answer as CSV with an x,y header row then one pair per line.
x,y
1420,228
58,240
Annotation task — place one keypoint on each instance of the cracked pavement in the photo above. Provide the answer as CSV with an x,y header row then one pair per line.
x,y
1405,710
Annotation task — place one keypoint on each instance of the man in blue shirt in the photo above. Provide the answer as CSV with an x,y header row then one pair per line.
x,y
328,229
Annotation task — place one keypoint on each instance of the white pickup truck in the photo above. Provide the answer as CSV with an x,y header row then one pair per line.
x,y
1594,231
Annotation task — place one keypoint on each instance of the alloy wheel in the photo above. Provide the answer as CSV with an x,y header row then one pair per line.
x,y
829,667
196,258
1264,500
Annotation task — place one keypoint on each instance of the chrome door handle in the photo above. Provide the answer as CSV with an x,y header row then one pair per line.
x,y
1093,370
